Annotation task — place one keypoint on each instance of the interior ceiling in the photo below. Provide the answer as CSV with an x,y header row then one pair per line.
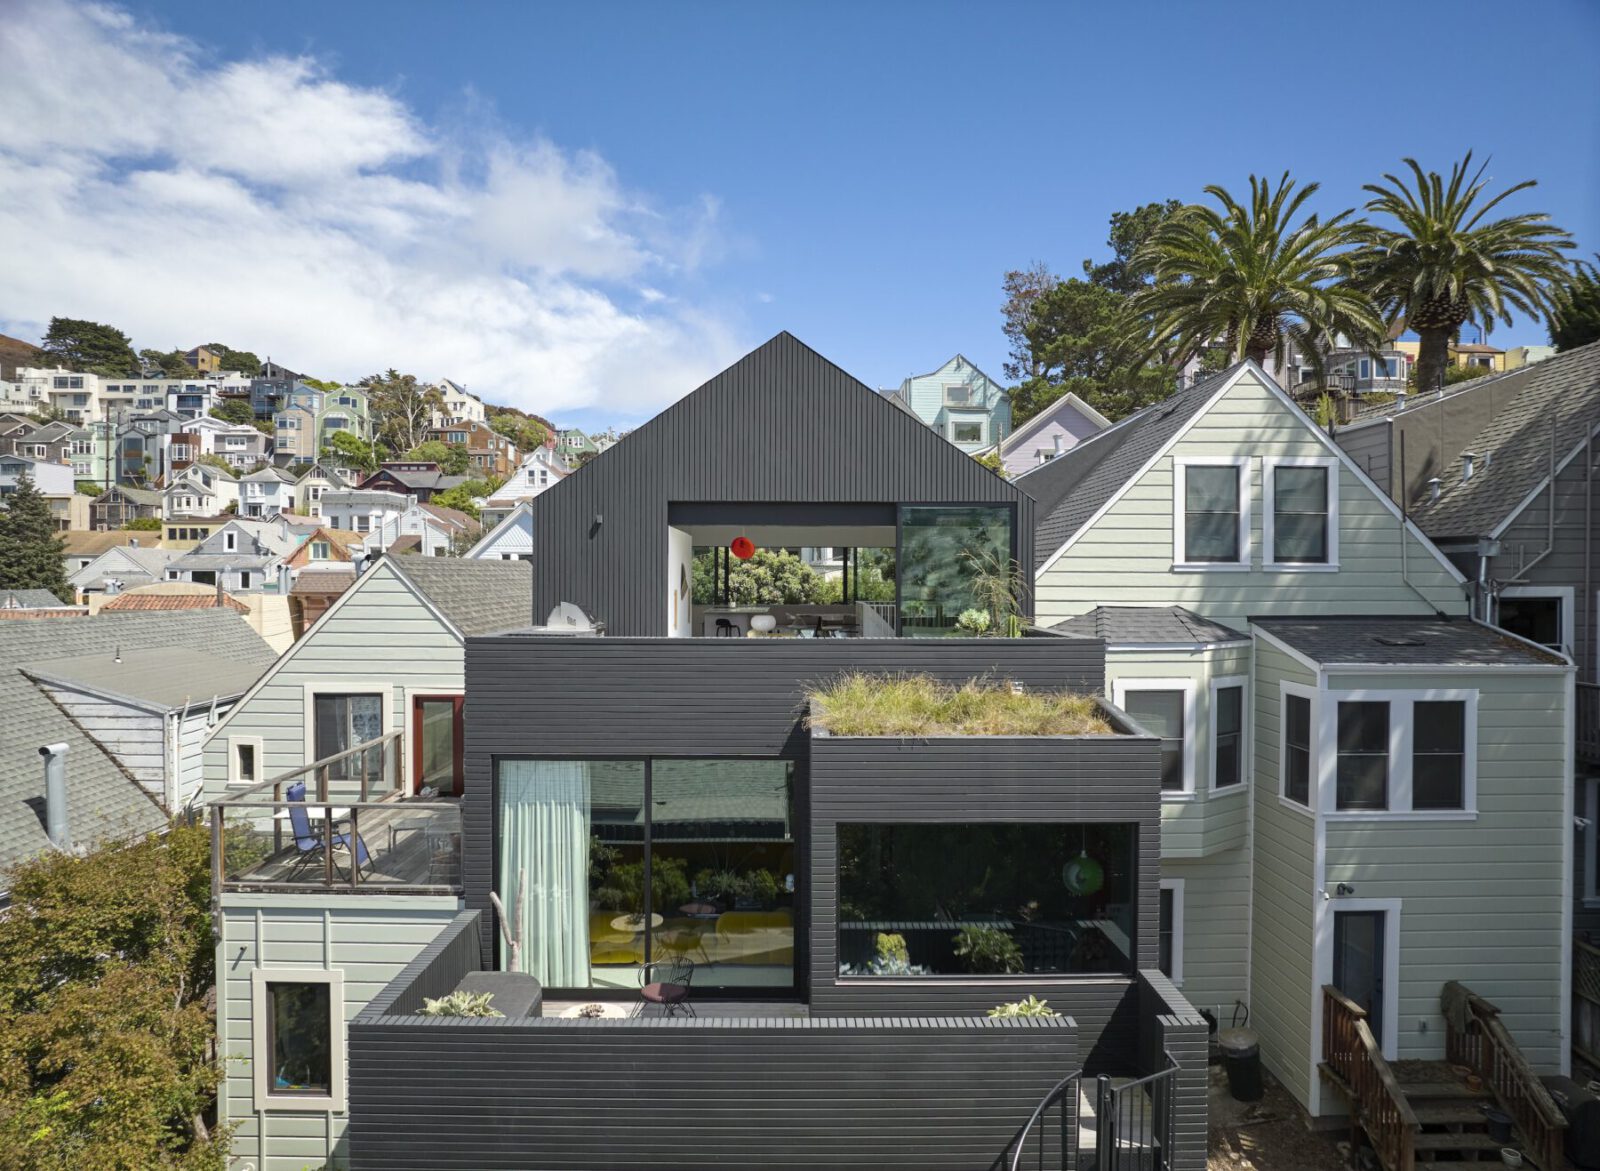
x,y
795,536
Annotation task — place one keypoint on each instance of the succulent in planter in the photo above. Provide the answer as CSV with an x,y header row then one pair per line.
x,y
1032,1006
988,950
893,959
460,1003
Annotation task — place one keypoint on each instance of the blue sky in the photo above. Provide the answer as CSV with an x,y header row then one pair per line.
x,y
863,174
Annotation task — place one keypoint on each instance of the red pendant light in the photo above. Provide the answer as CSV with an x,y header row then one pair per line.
x,y
743,548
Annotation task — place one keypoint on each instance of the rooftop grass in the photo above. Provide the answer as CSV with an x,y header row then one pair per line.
x,y
920,705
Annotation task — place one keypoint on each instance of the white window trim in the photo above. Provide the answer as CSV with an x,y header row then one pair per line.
x,y
1389,1042
1401,736
1313,773
1561,593
261,1060
234,742
230,542
1180,469
1119,691
1245,754
1175,885
1269,512
345,687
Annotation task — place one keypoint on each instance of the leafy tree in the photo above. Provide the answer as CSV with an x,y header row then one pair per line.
x,y
1023,287
1083,338
1576,321
452,458
88,346
1130,230
105,1041
460,498
346,451
320,384
212,460
47,413
527,433
243,361
1444,264
234,410
772,577
170,362
401,408
991,460
143,524
1250,276
31,550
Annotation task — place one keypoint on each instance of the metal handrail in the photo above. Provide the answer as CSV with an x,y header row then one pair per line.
x,y
1019,1143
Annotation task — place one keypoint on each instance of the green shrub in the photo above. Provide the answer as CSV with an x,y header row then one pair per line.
x,y
460,1003
988,950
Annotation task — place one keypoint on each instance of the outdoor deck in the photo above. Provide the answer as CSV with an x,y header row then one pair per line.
x,y
406,846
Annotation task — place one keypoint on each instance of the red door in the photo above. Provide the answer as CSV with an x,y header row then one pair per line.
x,y
437,741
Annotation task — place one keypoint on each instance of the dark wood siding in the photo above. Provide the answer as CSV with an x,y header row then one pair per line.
x,y
782,424
974,779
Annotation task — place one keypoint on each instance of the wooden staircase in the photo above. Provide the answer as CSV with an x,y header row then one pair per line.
x,y
1424,1113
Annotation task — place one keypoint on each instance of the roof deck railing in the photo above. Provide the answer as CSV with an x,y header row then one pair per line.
x,y
344,822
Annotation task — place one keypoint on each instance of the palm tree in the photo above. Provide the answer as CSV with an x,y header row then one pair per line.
x,y
1445,264
1249,276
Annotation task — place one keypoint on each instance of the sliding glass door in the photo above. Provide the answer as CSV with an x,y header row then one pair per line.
x,y
603,864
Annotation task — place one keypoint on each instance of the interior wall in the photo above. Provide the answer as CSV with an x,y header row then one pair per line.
x,y
680,583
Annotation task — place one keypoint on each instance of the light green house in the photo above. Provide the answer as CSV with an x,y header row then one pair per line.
x,y
385,663
1263,602
960,402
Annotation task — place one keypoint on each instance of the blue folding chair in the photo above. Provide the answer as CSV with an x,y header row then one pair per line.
x,y
309,844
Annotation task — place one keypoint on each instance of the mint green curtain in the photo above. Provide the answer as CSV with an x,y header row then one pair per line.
x,y
544,835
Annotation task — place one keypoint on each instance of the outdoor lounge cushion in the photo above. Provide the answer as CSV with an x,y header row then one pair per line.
x,y
515,993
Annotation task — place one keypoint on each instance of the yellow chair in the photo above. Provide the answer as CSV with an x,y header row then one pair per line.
x,y
756,937
612,945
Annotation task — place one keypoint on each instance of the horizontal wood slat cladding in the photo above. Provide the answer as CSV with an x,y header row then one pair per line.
x,y
583,697
783,424
739,1095
987,779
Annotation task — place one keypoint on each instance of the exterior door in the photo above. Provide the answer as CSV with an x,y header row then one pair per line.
x,y
1358,962
437,743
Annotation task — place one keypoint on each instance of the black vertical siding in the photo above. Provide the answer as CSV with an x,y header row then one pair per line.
x,y
998,779
782,424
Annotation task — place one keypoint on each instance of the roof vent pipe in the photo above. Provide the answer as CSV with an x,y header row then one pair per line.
x,y
55,795
1433,488
1057,438
1467,460
1399,400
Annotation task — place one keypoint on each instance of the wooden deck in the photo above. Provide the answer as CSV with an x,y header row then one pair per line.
x,y
412,849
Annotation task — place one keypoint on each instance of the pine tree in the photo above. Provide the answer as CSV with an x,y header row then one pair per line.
x,y
30,550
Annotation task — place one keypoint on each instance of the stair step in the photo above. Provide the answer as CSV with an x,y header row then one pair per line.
x,y
1452,1090
1454,1142
1448,1115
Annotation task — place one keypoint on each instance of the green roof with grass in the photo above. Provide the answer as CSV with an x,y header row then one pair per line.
x,y
920,705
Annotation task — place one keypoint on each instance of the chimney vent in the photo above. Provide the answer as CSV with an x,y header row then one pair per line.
x,y
55,795
1433,488
1399,400
1057,438
1467,460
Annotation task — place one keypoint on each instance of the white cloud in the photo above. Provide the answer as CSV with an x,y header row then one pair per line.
x,y
267,204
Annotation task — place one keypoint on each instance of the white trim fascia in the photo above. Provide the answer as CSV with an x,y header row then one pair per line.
x,y
1278,644
1120,686
1231,644
327,615
1245,466
1160,453
1044,416
1345,458
334,1101
1446,668
1313,696
1323,965
1269,553
1175,885
1568,617
1246,734
493,534
1402,728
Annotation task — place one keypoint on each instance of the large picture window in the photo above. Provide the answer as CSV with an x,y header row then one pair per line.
x,y
942,550
1161,712
608,863
986,899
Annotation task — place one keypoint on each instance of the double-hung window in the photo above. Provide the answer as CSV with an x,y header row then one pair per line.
x,y
1164,708
1211,509
1297,749
1406,752
1301,524
1227,733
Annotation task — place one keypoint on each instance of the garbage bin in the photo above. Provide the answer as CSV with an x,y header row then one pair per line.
x,y
1241,1057
1581,1109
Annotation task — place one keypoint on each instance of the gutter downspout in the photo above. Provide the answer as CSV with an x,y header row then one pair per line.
x,y
1405,517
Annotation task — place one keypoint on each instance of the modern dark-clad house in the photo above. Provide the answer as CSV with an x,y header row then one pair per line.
x,y
651,816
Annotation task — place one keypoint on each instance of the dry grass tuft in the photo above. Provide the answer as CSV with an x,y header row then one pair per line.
x,y
919,705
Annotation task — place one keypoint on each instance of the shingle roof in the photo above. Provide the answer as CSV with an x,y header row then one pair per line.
x,y
145,496
103,801
167,676
477,597
1423,642
324,581
1559,397
30,600
1072,487
206,562
1163,625
79,543
123,603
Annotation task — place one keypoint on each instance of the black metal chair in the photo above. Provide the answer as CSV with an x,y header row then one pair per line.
x,y
672,993
726,628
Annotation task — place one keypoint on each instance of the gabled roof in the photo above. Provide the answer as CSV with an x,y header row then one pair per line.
x,y
148,497
1149,626
1557,400
103,800
29,600
1073,487
476,597
166,677
511,521
451,516
1068,401
81,543
277,474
